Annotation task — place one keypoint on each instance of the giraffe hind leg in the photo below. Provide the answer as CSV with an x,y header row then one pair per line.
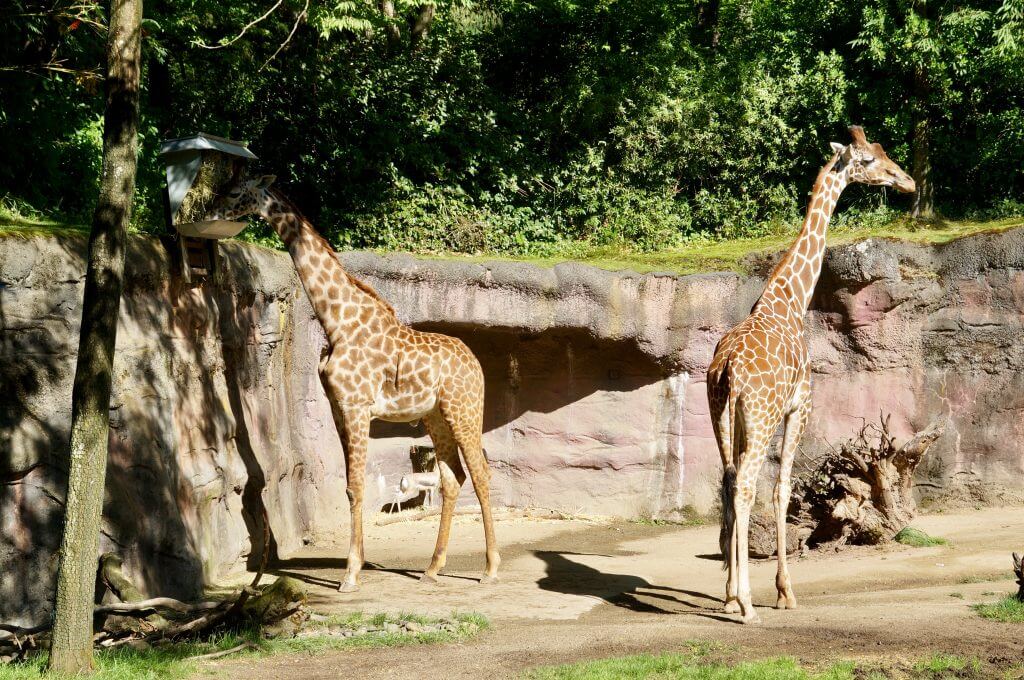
x,y
752,457
467,430
795,423
449,468
724,434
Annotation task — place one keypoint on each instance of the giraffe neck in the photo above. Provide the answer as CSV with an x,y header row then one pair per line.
x,y
341,303
791,284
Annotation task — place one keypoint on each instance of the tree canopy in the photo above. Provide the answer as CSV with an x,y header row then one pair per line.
x,y
515,126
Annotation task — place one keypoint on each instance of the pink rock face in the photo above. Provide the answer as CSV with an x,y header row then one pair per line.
x,y
596,401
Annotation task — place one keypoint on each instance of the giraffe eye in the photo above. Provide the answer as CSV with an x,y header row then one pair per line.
x,y
867,160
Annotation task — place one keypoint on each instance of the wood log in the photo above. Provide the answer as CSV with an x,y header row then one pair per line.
x,y
861,492
278,601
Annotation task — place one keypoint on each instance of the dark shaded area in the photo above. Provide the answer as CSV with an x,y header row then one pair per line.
x,y
565,575
298,568
148,496
541,372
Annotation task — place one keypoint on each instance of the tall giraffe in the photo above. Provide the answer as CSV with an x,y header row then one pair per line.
x,y
760,375
377,367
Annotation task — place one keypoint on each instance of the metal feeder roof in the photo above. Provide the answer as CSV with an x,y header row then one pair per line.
x,y
182,157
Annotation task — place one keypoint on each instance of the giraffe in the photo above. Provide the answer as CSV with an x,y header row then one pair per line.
x,y
376,367
759,376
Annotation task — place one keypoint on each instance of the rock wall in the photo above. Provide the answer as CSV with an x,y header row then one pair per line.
x,y
595,391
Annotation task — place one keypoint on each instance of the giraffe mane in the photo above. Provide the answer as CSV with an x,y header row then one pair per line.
x,y
822,174
278,195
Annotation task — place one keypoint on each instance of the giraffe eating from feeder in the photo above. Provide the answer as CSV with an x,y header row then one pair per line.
x,y
760,375
377,367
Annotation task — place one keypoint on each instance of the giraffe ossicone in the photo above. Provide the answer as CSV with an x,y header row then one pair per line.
x,y
377,367
760,374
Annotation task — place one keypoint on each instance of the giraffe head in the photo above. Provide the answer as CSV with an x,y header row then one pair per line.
x,y
867,163
246,197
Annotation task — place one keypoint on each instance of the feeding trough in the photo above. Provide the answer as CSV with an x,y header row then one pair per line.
x,y
197,168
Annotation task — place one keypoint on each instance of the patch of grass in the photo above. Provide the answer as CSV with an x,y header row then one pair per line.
x,y
688,517
20,219
673,666
948,665
694,666
1008,610
704,254
173,661
918,539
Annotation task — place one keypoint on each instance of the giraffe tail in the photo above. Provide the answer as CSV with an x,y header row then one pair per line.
x,y
728,515
728,492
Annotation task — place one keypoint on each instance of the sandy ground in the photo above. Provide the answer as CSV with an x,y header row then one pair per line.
x,y
574,590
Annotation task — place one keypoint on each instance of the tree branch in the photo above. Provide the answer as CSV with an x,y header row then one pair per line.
x,y
244,29
295,27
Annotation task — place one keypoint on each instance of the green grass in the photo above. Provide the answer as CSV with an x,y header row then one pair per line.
x,y
17,219
173,661
688,517
918,539
707,255
700,254
1008,610
948,666
696,666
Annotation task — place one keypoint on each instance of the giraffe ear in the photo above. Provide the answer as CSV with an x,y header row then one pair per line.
x,y
265,181
836,147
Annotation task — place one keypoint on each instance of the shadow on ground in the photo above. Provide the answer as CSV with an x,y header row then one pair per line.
x,y
570,577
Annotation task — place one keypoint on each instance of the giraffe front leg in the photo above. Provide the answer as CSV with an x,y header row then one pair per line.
x,y
354,430
795,423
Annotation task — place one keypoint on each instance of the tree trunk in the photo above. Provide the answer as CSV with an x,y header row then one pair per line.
x,y
924,196
71,646
708,21
421,24
394,34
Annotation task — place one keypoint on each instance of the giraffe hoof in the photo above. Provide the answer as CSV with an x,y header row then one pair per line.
x,y
346,587
786,603
751,620
488,580
732,607
430,578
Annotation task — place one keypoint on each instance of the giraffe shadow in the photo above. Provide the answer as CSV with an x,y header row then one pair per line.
x,y
627,591
310,570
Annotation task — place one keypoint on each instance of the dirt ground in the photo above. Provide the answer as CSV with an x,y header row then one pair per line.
x,y
574,590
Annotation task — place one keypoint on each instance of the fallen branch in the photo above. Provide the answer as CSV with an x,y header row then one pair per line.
x,y
15,631
154,604
226,652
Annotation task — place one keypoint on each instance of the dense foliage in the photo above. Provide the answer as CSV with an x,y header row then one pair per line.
x,y
517,126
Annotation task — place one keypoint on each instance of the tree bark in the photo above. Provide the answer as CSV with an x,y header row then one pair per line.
x,y
707,22
421,25
71,645
394,34
924,196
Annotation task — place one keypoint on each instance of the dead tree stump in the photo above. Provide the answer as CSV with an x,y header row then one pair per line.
x,y
860,492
